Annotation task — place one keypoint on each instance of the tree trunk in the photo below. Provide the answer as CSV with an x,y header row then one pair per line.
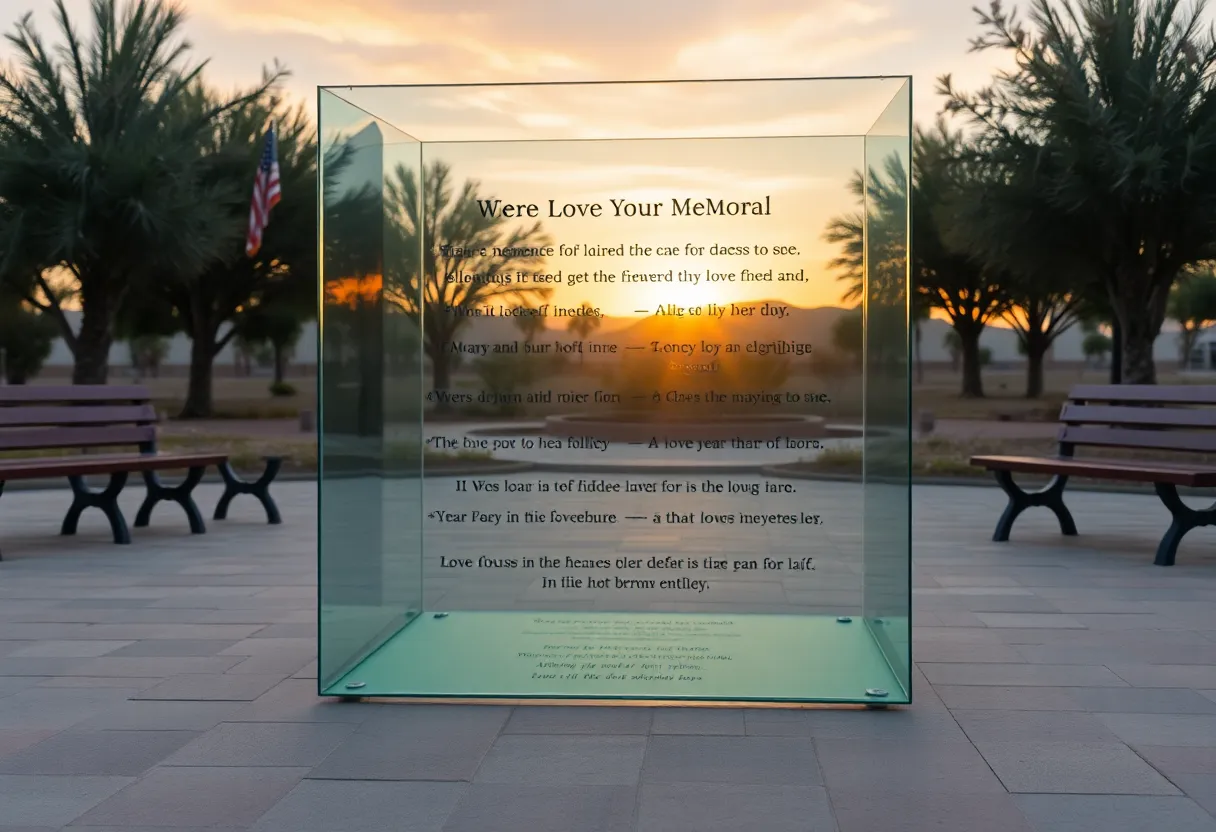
x,y
1138,365
280,363
1187,339
973,379
441,379
93,343
1035,352
199,402
1116,352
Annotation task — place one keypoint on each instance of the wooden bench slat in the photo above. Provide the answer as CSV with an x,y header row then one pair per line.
x,y
1173,417
1196,476
37,393
1200,442
1145,393
23,439
55,415
48,467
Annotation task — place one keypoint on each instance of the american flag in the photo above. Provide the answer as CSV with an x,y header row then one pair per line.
x,y
266,193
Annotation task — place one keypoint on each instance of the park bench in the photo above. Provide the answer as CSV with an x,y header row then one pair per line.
x,y
93,419
1149,418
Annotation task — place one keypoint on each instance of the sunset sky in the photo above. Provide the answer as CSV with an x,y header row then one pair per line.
x,y
338,42
333,42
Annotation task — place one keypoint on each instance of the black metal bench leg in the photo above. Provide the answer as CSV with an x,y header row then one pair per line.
x,y
180,494
1185,519
107,500
260,488
1049,496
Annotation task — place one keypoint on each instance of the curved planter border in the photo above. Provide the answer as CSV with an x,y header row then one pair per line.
x,y
721,428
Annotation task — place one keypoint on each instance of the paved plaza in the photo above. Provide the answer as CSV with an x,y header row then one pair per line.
x,y
1061,686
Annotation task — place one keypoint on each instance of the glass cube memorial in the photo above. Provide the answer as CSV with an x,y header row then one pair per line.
x,y
614,384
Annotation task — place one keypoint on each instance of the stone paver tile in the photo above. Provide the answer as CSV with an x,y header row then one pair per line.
x,y
1024,620
278,631
1142,700
405,742
309,671
170,631
871,809
1128,621
196,797
75,828
182,647
1171,760
32,800
116,753
156,666
56,707
41,631
1167,675
897,723
13,684
88,649
925,634
708,721
1117,654
1163,729
783,761
986,697
564,760
537,808
296,700
726,807
1200,788
35,666
214,687
270,646
330,805
1031,726
961,651
134,685
263,744
1073,768
153,715
1012,675
12,740
905,768
285,664
588,720
1113,813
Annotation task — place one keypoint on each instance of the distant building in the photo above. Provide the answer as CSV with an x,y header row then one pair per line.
x,y
1203,354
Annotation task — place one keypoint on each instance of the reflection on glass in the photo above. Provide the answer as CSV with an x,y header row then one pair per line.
x,y
616,411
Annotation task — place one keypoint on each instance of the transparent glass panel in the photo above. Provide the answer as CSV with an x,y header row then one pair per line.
x,y
621,395
361,596
887,456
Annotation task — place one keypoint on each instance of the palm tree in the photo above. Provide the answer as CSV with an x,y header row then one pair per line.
x,y
969,294
584,325
969,291
530,324
1109,117
99,166
444,287
210,303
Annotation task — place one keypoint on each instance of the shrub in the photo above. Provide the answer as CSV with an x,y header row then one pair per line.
x,y
26,338
281,389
